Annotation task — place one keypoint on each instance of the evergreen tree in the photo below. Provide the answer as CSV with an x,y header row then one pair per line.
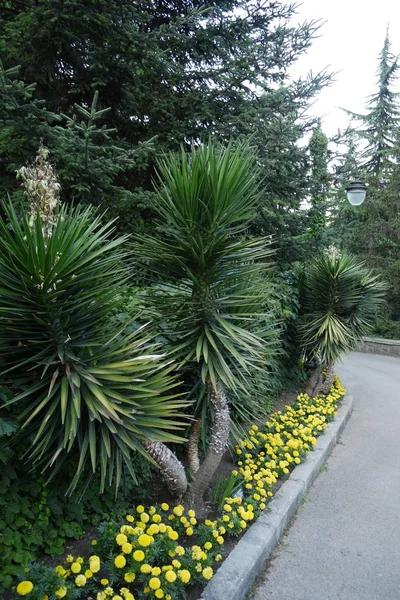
x,y
379,125
320,180
179,72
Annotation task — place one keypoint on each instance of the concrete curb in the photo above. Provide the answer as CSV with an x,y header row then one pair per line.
x,y
236,575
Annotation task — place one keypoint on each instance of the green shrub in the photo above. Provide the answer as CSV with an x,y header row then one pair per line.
x,y
36,518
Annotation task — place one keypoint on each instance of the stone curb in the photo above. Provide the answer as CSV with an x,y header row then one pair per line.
x,y
235,577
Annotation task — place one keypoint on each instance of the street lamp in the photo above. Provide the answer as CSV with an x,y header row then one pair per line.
x,y
356,192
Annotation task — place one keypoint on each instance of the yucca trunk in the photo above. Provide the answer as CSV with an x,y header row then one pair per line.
x,y
172,470
315,382
216,448
193,447
329,378
318,383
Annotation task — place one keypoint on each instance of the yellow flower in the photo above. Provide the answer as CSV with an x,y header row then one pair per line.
x,y
60,570
116,597
126,548
145,569
144,540
88,574
176,564
104,581
220,539
207,573
140,509
120,561
170,576
79,560
94,542
180,550
178,510
61,592
173,535
154,583
80,580
189,531
156,518
144,517
94,564
184,575
218,557
76,567
129,577
101,596
156,571
159,593
24,588
138,555
208,545
129,518
164,506
121,539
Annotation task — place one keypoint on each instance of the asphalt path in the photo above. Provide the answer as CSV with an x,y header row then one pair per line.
x,y
344,543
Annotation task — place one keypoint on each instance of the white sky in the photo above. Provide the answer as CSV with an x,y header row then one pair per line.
x,y
349,44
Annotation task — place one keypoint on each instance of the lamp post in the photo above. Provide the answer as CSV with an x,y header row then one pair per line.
x,y
356,192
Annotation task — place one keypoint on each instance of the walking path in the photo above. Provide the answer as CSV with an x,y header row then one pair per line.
x,y
344,543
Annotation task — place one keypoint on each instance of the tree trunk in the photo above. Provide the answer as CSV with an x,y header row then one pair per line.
x,y
315,381
172,470
329,378
216,449
193,446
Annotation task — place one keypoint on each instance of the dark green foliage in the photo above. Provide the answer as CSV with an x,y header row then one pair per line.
x,y
372,231
380,125
212,301
35,517
339,299
320,180
177,73
85,386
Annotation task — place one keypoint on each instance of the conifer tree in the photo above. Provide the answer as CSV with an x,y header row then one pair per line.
x,y
379,125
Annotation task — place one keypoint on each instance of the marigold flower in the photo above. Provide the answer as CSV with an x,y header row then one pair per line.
x,y
61,592
154,583
184,575
24,588
170,576
80,580
144,540
121,539
120,561
126,548
76,567
138,555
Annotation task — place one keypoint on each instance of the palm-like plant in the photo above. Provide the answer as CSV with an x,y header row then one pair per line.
x,y
88,391
339,299
204,202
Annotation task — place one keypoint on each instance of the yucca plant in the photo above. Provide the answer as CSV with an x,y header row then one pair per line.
x,y
339,299
89,391
204,202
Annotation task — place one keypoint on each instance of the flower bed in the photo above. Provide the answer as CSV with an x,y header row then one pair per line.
x,y
159,551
